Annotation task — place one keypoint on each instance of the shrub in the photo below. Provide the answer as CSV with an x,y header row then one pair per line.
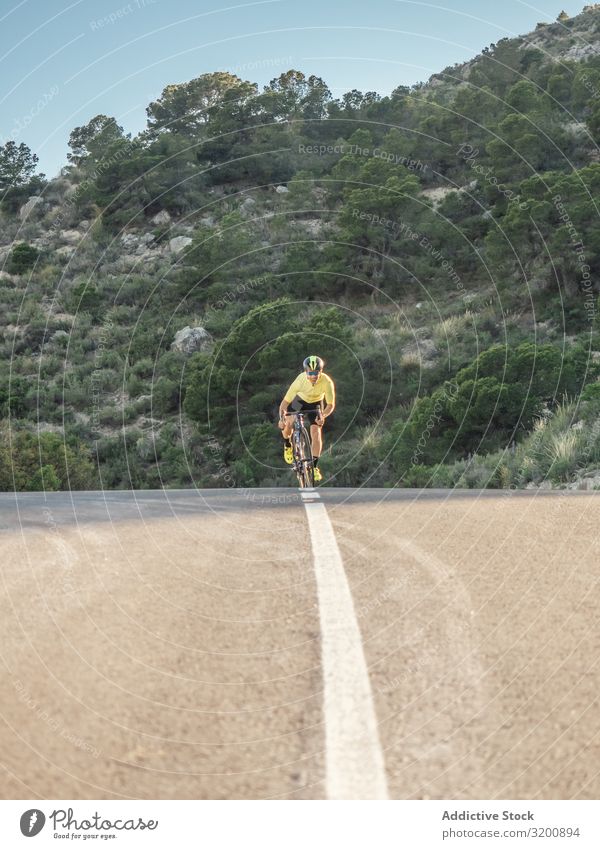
x,y
22,258
34,461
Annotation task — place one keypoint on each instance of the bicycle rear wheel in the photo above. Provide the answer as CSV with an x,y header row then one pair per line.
x,y
305,469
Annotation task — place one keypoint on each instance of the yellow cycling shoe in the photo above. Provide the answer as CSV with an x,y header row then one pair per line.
x,y
318,476
288,454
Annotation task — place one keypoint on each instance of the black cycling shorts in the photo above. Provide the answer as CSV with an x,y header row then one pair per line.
x,y
310,409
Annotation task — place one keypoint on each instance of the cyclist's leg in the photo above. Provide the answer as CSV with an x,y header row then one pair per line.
x,y
316,438
288,425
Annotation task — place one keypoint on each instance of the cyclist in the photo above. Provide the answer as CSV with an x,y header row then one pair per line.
x,y
306,394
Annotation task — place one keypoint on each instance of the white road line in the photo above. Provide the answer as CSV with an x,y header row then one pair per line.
x,y
354,760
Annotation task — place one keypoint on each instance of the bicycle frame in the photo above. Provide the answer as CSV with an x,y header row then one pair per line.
x,y
302,466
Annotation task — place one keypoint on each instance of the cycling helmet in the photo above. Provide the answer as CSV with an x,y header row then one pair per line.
x,y
313,364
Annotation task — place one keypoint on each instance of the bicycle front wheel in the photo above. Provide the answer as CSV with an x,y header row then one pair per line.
x,y
306,472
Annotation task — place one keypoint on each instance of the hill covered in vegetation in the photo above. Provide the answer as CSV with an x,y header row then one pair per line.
x,y
439,247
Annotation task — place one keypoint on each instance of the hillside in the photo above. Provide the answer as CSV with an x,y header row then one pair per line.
x,y
438,247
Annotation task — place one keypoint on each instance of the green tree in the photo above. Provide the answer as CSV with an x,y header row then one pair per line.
x,y
187,107
293,95
17,165
93,139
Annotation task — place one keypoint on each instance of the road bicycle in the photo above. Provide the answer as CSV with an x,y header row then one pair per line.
x,y
303,464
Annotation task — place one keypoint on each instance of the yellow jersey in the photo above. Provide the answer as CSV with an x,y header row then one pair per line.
x,y
323,387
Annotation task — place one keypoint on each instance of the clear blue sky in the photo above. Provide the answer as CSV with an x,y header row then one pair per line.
x,y
61,63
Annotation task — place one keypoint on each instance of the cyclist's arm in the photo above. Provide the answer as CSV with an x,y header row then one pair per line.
x,y
329,400
288,397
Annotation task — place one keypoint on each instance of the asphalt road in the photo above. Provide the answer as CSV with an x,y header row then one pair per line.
x,y
174,644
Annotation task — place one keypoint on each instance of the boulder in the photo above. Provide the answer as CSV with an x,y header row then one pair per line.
x,y
161,217
147,238
66,250
129,240
207,221
73,237
247,206
179,243
281,190
28,207
192,339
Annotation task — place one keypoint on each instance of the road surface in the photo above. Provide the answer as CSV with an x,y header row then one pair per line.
x,y
260,644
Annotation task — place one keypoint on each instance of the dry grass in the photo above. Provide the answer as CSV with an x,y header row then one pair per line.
x,y
448,328
410,359
563,447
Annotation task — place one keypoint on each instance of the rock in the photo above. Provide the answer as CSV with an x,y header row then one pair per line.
x,y
73,237
41,243
207,221
313,226
66,250
192,339
85,224
247,206
161,217
60,336
125,262
28,207
591,480
437,194
147,238
281,190
129,240
179,243
581,51
472,185
575,128
487,214
145,255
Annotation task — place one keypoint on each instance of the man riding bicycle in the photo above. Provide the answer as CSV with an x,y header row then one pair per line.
x,y
306,394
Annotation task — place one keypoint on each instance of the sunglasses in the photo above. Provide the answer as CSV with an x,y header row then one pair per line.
x,y
313,373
